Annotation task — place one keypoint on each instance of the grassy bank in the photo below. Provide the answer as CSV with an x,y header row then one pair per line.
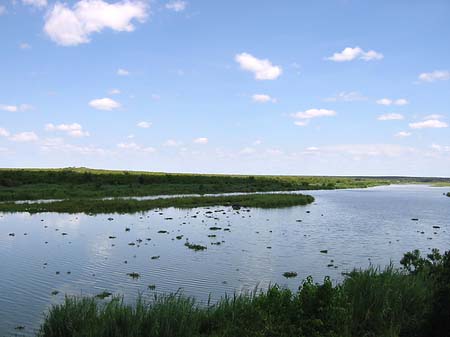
x,y
131,206
411,302
80,183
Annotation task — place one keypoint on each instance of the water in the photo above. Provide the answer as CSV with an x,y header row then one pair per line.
x,y
357,227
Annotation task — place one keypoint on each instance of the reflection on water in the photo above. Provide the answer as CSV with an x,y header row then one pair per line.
x,y
80,254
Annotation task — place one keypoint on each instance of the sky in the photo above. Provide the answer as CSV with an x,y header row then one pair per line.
x,y
318,87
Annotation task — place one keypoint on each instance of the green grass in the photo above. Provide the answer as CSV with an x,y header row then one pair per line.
x,y
80,183
410,302
131,206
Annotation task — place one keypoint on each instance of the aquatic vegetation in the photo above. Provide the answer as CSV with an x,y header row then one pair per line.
x,y
151,287
179,237
324,251
104,294
290,274
55,292
195,246
156,257
97,206
413,302
215,228
134,275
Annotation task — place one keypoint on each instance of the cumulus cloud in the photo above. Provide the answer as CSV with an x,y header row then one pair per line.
x,y
367,150
135,147
343,96
35,3
16,108
24,46
73,130
172,143
314,113
73,26
388,101
201,140
390,117
28,136
114,92
263,69
428,124
177,6
4,132
437,75
144,125
403,134
104,104
350,54
122,72
262,98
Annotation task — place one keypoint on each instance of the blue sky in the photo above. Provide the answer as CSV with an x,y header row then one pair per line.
x,y
254,87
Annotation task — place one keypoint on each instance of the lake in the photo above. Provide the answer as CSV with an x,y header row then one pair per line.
x,y
85,255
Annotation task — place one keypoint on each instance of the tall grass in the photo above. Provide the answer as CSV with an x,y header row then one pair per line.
x,y
368,303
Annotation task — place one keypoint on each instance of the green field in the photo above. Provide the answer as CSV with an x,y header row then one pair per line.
x,y
79,183
410,302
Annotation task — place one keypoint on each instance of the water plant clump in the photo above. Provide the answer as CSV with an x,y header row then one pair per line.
x,y
195,247
134,275
104,294
290,274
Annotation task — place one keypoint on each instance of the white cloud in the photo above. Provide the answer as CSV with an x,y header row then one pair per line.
x,y
390,117
73,130
104,104
172,143
58,145
429,123
301,123
314,113
2,10
177,6
4,132
201,140
35,3
263,69
343,96
135,147
114,92
16,108
247,150
440,148
24,137
73,26
144,125
434,116
24,46
388,101
122,72
437,75
358,151
350,54
403,134
262,98
257,142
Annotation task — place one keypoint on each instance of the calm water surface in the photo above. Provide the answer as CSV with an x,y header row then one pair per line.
x,y
74,254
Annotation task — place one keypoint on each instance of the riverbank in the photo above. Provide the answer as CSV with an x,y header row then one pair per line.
x,y
412,301
83,183
98,206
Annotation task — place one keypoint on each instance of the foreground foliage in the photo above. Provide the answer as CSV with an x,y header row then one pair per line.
x,y
97,206
32,184
409,302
